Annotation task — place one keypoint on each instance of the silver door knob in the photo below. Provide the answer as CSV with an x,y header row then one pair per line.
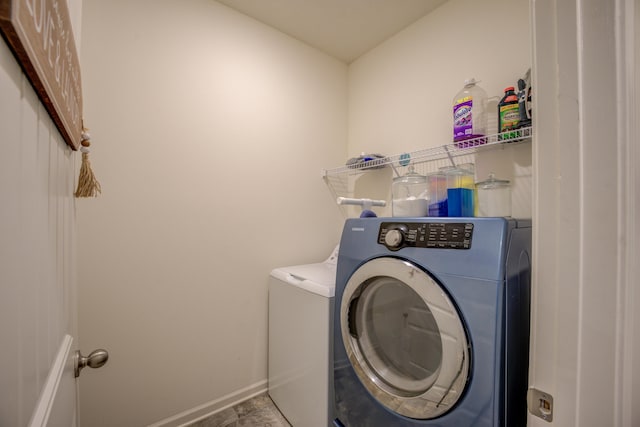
x,y
95,359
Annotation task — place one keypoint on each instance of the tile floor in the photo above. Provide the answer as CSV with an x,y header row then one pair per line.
x,y
256,412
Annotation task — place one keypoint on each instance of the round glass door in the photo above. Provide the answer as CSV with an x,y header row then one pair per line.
x,y
404,338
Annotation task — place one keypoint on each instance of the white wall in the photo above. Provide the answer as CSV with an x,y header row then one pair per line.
x,y
37,249
209,131
401,93
631,411
200,117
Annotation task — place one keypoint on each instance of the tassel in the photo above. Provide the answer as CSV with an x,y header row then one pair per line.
x,y
88,185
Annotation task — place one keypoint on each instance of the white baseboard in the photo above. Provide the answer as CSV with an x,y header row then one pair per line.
x,y
207,409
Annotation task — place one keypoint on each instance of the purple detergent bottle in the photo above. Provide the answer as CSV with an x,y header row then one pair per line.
x,y
469,113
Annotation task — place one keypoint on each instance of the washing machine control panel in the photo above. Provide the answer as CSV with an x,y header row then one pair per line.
x,y
435,235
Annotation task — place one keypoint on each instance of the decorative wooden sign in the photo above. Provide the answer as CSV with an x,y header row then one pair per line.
x,y
40,35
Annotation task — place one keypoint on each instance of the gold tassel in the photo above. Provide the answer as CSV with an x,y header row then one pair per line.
x,y
88,185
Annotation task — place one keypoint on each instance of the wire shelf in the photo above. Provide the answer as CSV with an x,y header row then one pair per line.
x,y
443,152
341,181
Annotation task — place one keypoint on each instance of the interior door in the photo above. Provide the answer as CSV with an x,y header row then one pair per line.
x,y
37,259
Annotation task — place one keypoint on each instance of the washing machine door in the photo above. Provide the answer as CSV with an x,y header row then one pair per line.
x,y
404,338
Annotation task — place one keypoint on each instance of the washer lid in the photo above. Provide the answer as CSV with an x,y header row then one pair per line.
x,y
318,278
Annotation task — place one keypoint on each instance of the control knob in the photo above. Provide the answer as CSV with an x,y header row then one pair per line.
x,y
394,238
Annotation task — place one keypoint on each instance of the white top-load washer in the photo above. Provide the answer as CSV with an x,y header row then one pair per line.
x,y
301,341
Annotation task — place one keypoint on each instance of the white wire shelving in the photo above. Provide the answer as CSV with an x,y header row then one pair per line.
x,y
341,180
444,152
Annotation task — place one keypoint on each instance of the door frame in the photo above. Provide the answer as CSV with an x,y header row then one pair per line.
x,y
585,239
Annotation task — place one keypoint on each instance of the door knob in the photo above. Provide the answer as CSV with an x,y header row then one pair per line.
x,y
95,359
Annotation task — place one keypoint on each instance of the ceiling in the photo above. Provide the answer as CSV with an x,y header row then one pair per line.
x,y
344,29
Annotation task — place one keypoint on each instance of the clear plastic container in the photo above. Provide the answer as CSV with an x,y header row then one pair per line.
x,y
438,194
410,195
460,192
470,112
494,197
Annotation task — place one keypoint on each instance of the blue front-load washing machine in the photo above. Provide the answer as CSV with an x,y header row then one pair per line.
x,y
432,322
